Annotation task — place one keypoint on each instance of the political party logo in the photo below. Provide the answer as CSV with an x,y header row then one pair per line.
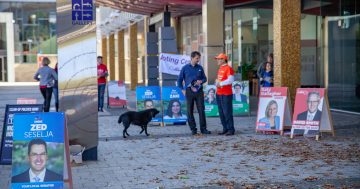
x,y
82,12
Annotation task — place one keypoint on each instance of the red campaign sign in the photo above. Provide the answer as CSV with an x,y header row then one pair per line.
x,y
308,108
117,93
271,108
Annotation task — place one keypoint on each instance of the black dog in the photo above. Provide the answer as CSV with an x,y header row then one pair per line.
x,y
141,118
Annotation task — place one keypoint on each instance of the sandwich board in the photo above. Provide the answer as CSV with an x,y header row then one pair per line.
x,y
241,102
273,110
7,135
211,107
149,97
116,94
311,113
40,151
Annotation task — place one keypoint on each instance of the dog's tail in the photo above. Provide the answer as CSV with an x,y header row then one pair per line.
x,y
120,119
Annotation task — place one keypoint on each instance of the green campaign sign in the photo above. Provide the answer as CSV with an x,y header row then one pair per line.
x,y
211,107
240,97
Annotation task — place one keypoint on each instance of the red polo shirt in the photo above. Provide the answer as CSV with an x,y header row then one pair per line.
x,y
224,72
101,69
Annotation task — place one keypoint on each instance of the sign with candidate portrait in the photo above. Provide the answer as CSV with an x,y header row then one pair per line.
x,y
311,112
240,97
147,98
7,135
174,105
211,107
38,150
116,93
273,109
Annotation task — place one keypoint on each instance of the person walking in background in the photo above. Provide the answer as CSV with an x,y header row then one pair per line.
x,y
47,76
56,89
102,73
194,77
262,67
267,77
224,95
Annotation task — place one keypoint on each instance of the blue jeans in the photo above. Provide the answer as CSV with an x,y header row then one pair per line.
x,y
226,112
56,94
101,94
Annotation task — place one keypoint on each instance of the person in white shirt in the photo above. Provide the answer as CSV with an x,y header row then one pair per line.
x,y
37,157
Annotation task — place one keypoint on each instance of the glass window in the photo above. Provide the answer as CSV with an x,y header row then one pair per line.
x,y
34,29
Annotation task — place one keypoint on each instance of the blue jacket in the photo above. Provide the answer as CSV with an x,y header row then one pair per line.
x,y
267,123
189,74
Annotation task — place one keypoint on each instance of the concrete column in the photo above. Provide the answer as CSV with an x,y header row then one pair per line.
x,y
287,16
104,49
133,56
121,55
112,56
213,32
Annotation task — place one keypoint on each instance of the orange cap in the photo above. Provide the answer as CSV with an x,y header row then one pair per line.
x,y
221,56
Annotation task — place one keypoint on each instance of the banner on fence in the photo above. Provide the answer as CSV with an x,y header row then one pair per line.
x,y
172,63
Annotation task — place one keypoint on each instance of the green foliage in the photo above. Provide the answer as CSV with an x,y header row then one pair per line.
x,y
245,70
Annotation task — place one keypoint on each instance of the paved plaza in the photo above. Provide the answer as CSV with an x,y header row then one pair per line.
x,y
172,158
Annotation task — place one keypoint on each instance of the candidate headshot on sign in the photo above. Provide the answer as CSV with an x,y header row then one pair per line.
x,y
312,113
271,119
37,157
211,97
237,96
174,110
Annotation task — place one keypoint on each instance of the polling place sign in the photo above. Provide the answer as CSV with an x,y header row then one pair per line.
x,y
7,135
172,63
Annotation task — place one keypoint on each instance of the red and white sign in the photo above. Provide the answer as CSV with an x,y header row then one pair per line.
x,y
273,109
117,93
25,101
308,110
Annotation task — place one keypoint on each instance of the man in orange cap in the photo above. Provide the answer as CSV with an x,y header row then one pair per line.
x,y
224,96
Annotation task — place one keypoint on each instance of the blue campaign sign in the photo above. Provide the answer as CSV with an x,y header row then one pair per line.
x,y
82,11
38,150
149,97
7,135
174,105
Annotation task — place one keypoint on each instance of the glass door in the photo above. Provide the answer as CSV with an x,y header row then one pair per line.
x,y
344,61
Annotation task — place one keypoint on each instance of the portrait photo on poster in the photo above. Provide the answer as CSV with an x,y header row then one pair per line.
x,y
210,95
309,105
174,110
37,161
240,91
270,114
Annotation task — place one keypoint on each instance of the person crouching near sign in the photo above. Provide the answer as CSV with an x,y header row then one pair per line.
x,y
37,157
224,95
47,77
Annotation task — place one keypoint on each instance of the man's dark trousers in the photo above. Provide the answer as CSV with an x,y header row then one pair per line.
x,y
226,112
198,97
